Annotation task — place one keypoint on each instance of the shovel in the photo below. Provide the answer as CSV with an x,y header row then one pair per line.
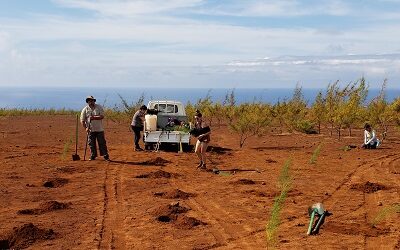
x,y
319,209
75,157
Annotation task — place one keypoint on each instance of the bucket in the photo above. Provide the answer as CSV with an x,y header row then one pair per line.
x,y
151,122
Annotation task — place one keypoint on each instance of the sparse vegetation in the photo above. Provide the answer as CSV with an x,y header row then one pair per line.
x,y
284,183
36,112
385,212
66,148
315,154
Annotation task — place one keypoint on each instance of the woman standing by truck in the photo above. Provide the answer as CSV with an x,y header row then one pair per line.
x,y
203,139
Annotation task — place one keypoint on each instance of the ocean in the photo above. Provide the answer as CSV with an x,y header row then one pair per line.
x,y
74,98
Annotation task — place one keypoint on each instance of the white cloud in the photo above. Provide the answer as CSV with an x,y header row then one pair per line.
x,y
140,41
282,8
127,8
5,42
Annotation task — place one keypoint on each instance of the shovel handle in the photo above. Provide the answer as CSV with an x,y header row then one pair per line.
x,y
311,221
319,223
76,135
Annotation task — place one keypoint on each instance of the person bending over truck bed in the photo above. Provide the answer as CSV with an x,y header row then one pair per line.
x,y
137,125
202,140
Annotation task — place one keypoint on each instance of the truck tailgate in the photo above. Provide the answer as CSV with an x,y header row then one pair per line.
x,y
166,136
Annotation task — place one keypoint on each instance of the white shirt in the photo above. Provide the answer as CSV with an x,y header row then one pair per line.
x,y
95,125
369,137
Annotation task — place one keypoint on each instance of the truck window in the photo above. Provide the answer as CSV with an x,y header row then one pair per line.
x,y
166,108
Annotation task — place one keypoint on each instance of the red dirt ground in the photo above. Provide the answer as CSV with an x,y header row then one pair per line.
x,y
158,200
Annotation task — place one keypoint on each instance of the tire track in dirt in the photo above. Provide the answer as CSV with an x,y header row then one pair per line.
x,y
393,168
213,213
216,229
359,168
383,162
240,231
112,228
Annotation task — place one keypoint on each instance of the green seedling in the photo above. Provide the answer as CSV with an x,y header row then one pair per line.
x,y
67,145
385,212
315,154
284,183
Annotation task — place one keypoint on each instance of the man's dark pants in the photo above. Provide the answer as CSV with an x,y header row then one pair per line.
x,y
99,136
136,130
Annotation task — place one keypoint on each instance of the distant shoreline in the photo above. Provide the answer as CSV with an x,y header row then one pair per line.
x,y
73,97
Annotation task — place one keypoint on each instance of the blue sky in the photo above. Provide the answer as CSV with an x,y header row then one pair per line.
x,y
199,43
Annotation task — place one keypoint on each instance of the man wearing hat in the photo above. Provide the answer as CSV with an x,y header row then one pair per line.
x,y
91,118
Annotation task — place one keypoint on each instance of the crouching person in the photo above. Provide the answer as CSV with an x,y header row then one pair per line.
x,y
370,140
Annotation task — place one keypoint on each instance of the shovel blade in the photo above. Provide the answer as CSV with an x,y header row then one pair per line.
x,y
76,157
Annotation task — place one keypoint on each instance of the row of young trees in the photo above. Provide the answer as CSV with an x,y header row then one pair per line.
x,y
337,108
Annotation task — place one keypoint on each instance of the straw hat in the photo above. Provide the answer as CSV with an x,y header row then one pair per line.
x,y
90,98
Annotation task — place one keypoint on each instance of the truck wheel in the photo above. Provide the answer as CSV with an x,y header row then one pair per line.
x,y
148,146
186,147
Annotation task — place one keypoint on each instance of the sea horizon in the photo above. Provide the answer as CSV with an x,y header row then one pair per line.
x,y
74,97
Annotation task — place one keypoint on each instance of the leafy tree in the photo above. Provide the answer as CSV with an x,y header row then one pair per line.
x,y
296,111
353,106
190,110
332,99
206,108
219,112
279,112
317,111
395,107
229,106
250,120
379,111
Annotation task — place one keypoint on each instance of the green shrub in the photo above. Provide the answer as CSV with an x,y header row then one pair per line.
x,y
306,126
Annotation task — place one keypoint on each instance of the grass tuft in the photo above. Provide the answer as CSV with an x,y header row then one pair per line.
x,y
385,212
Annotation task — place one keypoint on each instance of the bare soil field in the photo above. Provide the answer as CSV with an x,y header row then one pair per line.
x,y
159,200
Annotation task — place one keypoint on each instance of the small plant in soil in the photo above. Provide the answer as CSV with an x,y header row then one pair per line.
x,y
385,212
67,145
284,182
315,154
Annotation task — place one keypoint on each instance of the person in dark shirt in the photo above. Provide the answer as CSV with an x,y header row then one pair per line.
x,y
137,125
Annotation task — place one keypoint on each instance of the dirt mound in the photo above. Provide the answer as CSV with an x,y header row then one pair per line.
x,y
174,194
158,161
257,193
53,205
368,187
45,207
170,212
270,161
24,236
157,174
244,182
55,182
67,169
185,222
218,150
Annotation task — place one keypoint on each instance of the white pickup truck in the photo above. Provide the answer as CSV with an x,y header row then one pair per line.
x,y
166,123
